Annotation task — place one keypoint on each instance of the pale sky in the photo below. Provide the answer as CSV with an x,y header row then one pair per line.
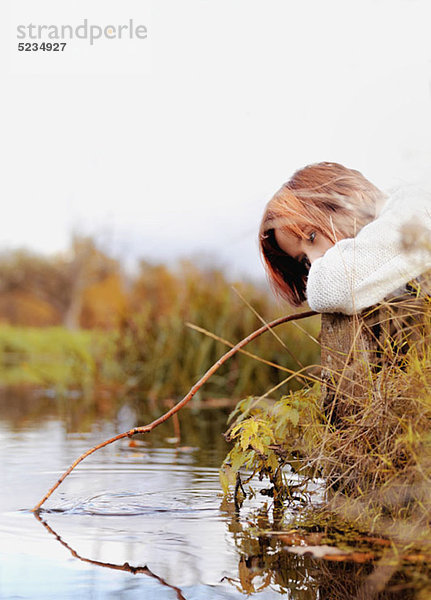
x,y
176,147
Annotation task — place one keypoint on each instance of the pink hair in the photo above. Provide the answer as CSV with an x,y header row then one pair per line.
x,y
336,201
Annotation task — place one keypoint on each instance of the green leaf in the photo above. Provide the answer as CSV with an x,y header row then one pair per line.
x,y
293,416
257,445
253,426
238,459
241,407
245,439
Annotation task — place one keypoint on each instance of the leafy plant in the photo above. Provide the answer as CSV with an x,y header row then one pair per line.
x,y
270,440
367,435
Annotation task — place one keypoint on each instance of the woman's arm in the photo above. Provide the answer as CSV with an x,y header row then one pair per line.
x,y
359,272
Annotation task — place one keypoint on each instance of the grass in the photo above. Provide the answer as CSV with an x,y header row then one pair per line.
x,y
375,446
163,357
55,357
151,349
366,430
156,353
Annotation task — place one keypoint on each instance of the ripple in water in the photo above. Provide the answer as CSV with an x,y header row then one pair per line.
x,y
177,502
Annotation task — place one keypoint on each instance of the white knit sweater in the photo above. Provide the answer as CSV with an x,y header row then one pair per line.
x,y
359,272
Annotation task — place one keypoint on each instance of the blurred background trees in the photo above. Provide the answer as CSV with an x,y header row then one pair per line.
x,y
82,287
80,315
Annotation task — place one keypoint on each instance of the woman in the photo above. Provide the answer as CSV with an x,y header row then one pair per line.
x,y
329,236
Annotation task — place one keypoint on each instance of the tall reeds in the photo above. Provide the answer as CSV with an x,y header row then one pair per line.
x,y
162,357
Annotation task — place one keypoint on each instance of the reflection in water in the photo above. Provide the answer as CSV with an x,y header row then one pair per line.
x,y
124,567
266,562
155,504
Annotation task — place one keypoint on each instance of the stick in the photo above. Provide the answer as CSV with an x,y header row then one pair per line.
x,y
124,567
181,403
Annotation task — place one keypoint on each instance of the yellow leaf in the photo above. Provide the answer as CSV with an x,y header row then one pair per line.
x,y
224,481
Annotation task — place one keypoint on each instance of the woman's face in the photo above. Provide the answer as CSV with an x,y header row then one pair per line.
x,y
313,246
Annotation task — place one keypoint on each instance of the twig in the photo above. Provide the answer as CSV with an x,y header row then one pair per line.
x,y
181,403
124,567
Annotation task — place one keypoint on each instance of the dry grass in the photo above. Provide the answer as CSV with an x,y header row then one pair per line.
x,y
374,446
367,430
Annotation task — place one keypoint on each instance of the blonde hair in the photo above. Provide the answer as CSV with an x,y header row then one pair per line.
x,y
334,200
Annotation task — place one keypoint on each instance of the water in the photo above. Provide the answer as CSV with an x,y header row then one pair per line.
x,y
155,507
137,522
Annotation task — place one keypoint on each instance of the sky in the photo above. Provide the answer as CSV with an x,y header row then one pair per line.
x,y
171,146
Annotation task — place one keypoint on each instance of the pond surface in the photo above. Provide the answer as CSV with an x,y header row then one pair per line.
x,y
147,521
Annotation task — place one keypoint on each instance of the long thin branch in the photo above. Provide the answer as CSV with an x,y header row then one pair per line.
x,y
181,403
298,375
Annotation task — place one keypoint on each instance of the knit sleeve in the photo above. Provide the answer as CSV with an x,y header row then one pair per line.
x,y
359,272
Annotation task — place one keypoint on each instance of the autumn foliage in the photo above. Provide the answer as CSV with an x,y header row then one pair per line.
x,y
143,316
82,287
